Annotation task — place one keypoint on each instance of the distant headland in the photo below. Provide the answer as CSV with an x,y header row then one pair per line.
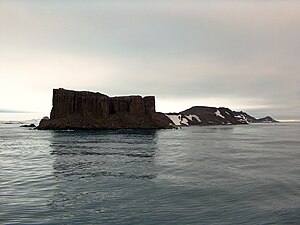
x,y
90,110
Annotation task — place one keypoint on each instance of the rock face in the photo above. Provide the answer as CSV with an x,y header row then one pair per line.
x,y
89,110
243,116
203,115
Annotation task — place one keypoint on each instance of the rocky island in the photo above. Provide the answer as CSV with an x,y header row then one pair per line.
x,y
89,110
243,116
204,116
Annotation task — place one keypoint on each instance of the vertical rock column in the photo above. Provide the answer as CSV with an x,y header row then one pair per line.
x,y
149,105
84,104
62,102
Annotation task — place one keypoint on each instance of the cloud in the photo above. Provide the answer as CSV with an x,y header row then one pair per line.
x,y
240,54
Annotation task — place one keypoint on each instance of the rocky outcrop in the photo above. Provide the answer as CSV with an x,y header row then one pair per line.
x,y
204,115
243,116
266,119
28,125
89,110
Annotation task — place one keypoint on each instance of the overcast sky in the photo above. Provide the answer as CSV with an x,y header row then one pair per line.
x,y
239,54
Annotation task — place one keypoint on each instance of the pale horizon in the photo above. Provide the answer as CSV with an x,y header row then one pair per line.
x,y
240,55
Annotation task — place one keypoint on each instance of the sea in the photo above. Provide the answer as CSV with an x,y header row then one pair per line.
x,y
243,174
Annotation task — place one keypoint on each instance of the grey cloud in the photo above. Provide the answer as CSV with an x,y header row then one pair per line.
x,y
142,31
184,49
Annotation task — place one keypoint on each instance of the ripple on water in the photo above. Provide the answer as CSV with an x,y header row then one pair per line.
x,y
195,175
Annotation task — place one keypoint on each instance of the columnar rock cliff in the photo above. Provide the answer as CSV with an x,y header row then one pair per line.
x,y
89,110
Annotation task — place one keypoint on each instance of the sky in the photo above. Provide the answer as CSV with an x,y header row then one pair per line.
x,y
238,54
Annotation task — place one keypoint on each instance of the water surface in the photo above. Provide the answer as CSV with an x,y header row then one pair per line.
x,y
248,174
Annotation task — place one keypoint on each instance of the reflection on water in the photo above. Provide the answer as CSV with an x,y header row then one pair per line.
x,y
109,153
100,174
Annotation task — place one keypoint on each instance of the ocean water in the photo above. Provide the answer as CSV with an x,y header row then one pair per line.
x,y
246,174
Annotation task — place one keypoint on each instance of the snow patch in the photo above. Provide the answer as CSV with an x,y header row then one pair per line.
x,y
185,121
175,118
178,120
242,118
190,117
218,113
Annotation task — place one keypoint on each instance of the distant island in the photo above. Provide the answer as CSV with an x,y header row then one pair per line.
x,y
90,110
205,115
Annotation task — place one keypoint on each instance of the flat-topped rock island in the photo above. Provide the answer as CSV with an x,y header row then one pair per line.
x,y
90,110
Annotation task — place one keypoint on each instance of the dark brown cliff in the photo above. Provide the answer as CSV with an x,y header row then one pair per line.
x,y
89,110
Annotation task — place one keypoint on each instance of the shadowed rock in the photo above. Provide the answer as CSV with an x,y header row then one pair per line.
x,y
89,110
28,125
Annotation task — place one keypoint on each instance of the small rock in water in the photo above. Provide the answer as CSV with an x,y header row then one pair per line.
x,y
28,125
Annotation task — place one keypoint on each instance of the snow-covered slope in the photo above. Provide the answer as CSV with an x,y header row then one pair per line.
x,y
203,115
243,116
